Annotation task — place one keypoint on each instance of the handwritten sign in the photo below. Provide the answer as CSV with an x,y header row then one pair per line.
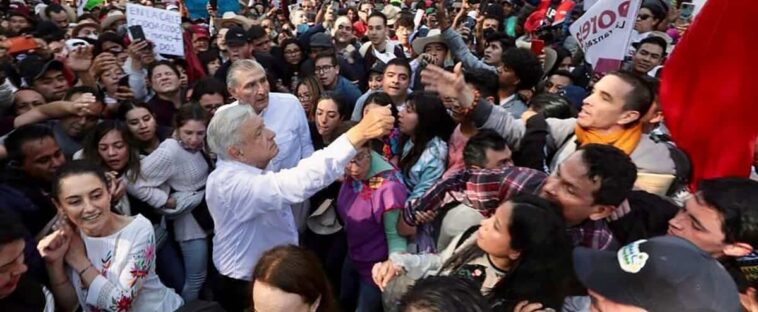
x,y
162,27
603,32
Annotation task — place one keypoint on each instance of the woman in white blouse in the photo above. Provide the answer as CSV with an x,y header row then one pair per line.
x,y
98,259
172,181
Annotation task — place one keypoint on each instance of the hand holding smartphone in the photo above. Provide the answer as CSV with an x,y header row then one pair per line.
x,y
136,32
124,81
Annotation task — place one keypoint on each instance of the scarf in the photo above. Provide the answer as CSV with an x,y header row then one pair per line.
x,y
625,140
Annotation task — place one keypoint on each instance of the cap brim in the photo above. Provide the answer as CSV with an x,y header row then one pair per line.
x,y
600,271
235,42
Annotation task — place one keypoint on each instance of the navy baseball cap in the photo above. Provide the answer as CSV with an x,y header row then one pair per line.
x,y
665,273
235,36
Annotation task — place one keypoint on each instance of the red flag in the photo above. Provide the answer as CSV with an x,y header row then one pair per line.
x,y
195,70
708,93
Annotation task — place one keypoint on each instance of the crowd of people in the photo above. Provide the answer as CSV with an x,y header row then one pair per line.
x,y
364,155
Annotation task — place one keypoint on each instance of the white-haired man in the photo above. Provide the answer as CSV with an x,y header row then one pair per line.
x,y
250,206
282,112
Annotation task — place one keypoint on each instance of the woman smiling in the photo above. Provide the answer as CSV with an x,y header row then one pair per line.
x,y
98,259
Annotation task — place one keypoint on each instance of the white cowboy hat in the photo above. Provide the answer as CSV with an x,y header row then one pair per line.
x,y
433,36
112,17
244,22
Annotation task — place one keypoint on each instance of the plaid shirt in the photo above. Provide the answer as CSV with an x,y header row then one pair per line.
x,y
481,189
592,234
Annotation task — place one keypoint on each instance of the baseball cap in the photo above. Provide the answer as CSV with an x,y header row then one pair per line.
x,y
235,36
321,40
199,31
33,67
665,273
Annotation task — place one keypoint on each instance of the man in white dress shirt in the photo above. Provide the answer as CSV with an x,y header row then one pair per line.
x,y
282,113
250,205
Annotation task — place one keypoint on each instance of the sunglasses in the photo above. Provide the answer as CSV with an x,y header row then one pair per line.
x,y
643,17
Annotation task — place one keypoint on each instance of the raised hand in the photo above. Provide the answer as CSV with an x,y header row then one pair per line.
x,y
116,186
448,84
53,247
82,105
442,15
76,255
103,61
124,93
80,59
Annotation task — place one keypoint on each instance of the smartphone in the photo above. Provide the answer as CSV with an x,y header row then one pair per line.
x,y
124,81
213,4
538,46
423,62
136,32
686,11
21,44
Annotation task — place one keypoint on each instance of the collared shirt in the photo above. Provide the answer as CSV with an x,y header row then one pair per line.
x,y
251,207
481,189
592,234
514,105
286,118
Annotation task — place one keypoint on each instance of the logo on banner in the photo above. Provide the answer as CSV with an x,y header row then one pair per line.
x,y
603,32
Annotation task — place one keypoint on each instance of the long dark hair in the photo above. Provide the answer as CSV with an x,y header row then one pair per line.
x,y
433,121
125,108
295,270
90,151
542,273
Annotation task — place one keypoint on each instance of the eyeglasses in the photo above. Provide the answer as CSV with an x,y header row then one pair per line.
x,y
643,17
323,69
358,158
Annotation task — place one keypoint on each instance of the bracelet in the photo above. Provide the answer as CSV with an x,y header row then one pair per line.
x,y
477,97
85,269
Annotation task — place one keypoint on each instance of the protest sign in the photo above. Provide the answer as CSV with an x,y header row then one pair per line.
x,y
588,4
603,32
162,27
